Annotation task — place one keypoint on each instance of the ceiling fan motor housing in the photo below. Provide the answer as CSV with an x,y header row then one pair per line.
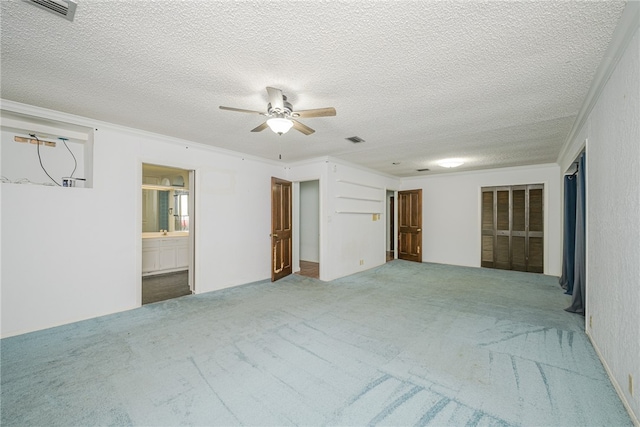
x,y
288,108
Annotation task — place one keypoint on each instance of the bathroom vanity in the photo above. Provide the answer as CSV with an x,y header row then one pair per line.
x,y
164,252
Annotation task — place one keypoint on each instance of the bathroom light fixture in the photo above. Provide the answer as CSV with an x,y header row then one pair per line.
x,y
279,125
450,163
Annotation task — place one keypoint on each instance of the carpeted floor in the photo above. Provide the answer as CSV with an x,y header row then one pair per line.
x,y
401,344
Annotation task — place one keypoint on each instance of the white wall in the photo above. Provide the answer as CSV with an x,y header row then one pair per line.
x,y
612,132
347,238
355,237
451,213
310,221
73,254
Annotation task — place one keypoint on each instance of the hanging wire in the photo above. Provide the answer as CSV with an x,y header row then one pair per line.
x,y
75,166
33,135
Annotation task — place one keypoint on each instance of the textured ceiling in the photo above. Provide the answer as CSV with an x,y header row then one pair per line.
x,y
494,83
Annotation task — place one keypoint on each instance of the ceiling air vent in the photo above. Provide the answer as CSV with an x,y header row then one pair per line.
x,y
422,170
355,139
63,8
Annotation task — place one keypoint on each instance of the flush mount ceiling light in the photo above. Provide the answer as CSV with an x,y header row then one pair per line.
x,y
279,125
450,163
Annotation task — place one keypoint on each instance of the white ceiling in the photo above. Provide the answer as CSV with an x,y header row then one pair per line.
x,y
495,83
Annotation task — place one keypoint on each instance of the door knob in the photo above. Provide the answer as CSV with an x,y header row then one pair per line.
x,y
274,235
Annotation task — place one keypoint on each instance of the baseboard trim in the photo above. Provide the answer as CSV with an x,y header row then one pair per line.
x,y
616,386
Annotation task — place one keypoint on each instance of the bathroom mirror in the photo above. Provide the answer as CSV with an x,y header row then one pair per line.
x,y
164,209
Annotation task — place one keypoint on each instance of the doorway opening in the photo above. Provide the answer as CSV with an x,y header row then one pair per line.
x,y
309,226
167,233
391,227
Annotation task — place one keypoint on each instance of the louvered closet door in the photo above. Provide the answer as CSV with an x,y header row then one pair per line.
x,y
519,228
535,262
512,228
488,228
503,227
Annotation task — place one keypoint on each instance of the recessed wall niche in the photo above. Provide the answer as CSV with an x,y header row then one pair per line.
x,y
38,151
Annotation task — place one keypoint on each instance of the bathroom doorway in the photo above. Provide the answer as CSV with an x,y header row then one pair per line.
x,y
167,233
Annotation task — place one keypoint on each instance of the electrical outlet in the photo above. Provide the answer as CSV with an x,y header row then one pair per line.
x,y
590,321
631,385
361,262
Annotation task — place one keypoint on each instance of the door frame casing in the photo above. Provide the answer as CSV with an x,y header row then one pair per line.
x,y
193,196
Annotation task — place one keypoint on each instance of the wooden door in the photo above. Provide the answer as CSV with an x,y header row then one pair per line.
x,y
519,217
280,229
410,225
535,230
502,204
488,228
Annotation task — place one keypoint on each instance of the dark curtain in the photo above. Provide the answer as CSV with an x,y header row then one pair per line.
x,y
579,271
569,238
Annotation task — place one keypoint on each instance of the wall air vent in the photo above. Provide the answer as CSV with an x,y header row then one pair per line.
x,y
355,139
63,8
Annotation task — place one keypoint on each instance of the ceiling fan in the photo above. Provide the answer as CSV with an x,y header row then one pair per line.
x,y
282,117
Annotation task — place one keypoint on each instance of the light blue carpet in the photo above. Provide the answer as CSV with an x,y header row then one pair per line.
x,y
402,344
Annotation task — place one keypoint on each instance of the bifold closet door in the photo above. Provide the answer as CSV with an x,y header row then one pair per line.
x,y
535,256
503,227
519,229
512,228
488,228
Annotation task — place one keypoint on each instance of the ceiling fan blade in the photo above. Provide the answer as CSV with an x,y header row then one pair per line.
x,y
316,112
260,128
275,98
302,128
240,110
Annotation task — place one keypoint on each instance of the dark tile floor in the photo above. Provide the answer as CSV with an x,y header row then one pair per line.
x,y
161,287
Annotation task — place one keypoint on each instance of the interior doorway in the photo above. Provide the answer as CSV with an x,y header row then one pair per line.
x,y
309,229
390,226
167,233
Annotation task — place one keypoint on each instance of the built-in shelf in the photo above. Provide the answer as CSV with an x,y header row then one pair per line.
x,y
358,212
67,150
367,199
358,184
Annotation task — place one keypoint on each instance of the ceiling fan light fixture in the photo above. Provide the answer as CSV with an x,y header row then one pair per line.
x,y
279,125
450,163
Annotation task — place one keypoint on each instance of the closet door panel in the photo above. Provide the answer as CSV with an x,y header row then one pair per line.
x,y
502,207
519,253
502,260
487,251
519,210
536,212
536,255
488,228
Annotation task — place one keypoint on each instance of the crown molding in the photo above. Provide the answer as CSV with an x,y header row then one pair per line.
x,y
625,30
